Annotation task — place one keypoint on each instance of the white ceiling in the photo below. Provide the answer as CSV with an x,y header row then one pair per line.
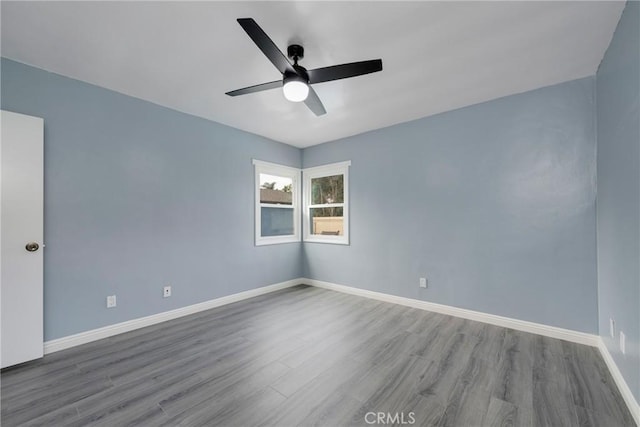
x,y
437,56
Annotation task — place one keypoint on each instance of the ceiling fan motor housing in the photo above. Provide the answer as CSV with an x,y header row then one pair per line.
x,y
300,75
295,52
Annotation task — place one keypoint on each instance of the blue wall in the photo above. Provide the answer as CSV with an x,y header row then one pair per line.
x,y
138,196
493,203
618,203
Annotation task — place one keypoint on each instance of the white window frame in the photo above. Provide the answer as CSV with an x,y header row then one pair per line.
x,y
340,168
286,172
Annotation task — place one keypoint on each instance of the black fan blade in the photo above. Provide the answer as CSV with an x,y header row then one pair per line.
x,y
266,45
314,103
344,71
256,88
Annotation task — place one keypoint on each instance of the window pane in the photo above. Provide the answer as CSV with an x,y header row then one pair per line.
x,y
276,221
327,221
327,189
275,189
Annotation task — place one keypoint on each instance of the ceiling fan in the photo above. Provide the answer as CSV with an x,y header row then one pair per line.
x,y
296,80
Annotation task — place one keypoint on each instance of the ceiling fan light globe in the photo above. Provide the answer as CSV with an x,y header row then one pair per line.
x,y
295,91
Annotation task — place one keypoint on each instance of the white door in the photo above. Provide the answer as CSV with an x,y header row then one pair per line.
x,y
21,235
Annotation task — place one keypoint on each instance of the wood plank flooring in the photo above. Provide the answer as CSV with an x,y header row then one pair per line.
x,y
308,356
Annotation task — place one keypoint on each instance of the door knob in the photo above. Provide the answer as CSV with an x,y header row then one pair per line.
x,y
32,246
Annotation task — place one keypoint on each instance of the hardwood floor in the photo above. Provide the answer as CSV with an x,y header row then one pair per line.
x,y
308,356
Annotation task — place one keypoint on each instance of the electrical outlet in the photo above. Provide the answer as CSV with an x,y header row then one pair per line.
x,y
111,301
166,291
612,327
622,342
423,282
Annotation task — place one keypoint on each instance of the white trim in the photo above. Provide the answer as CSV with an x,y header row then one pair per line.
x,y
272,205
625,391
276,240
520,325
296,181
130,325
339,168
323,238
506,322
274,165
327,205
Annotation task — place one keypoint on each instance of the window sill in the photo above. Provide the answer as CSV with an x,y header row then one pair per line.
x,y
277,240
329,240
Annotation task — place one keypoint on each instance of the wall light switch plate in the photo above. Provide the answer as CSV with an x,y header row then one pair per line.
x,y
612,327
166,291
622,342
423,282
111,301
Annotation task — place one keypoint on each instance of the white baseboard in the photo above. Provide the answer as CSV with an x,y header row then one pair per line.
x,y
520,325
627,395
130,325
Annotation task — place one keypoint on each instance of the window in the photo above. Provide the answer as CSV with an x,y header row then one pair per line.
x,y
326,203
277,197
